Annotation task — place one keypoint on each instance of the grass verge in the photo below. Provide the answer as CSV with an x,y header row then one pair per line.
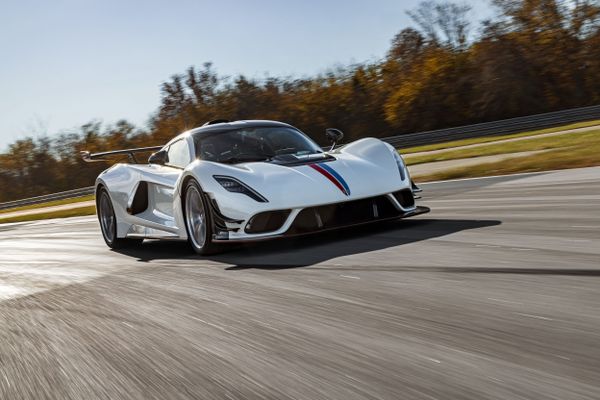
x,y
74,212
581,140
49,204
562,158
487,139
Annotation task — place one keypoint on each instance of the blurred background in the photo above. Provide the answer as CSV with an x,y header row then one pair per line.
x,y
93,75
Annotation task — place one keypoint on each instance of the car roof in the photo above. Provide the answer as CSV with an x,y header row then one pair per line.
x,y
227,126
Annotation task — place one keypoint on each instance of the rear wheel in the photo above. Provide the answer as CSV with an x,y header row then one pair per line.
x,y
198,223
108,222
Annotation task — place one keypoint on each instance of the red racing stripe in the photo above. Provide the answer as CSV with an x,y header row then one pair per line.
x,y
327,175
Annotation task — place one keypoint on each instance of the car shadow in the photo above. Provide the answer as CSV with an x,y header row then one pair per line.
x,y
313,249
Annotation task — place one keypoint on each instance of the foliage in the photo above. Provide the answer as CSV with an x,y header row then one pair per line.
x,y
534,56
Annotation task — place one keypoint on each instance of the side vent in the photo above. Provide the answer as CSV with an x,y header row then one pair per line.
x,y
140,199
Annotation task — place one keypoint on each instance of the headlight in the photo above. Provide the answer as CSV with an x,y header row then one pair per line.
x,y
235,186
400,163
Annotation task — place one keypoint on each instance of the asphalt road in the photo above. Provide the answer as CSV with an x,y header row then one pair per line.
x,y
494,295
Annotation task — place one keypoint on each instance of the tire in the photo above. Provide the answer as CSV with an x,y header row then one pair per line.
x,y
198,220
108,222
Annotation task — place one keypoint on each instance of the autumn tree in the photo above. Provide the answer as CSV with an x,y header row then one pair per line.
x,y
533,56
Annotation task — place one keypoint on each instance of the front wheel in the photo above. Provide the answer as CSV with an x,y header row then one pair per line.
x,y
108,222
198,223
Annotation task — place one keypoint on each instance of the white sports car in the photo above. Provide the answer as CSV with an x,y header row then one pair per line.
x,y
249,180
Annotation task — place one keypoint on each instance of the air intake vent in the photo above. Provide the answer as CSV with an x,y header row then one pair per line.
x,y
267,221
405,198
343,214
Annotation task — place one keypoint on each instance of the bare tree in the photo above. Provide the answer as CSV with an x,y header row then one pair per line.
x,y
443,22
584,17
425,17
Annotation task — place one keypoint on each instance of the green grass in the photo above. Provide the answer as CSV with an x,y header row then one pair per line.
x,y
583,154
532,144
49,204
74,212
487,139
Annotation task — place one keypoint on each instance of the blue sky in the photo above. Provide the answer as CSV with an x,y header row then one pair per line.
x,y
66,62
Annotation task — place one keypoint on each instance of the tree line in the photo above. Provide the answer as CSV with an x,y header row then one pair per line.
x,y
533,56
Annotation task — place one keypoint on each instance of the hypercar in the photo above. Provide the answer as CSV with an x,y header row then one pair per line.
x,y
227,182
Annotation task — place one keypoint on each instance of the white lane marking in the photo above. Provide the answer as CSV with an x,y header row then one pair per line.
x,y
487,245
503,301
349,277
586,226
432,359
535,316
578,240
522,249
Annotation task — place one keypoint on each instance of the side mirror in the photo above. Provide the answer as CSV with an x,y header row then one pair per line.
x,y
160,157
334,136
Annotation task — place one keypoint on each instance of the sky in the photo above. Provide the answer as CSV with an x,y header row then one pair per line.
x,y
66,62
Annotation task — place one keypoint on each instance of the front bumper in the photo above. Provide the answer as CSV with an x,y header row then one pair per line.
x,y
304,221
417,211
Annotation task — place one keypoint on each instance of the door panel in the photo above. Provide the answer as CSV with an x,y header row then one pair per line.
x,y
157,219
162,198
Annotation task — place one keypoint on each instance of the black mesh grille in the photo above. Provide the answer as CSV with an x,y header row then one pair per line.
x,y
267,221
405,198
343,214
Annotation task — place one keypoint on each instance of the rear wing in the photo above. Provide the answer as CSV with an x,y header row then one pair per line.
x,y
94,157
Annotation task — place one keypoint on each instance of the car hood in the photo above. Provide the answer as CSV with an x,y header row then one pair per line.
x,y
361,169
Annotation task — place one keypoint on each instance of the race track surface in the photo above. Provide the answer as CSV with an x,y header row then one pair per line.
x,y
493,295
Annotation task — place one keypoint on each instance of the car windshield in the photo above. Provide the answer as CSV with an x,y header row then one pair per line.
x,y
253,144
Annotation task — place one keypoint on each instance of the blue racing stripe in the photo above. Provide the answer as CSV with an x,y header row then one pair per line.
x,y
336,175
